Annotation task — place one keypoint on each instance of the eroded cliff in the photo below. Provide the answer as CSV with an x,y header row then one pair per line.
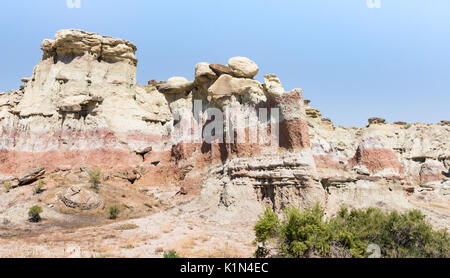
x,y
231,143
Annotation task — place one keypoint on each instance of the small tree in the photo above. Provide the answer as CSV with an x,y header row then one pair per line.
x,y
34,214
95,176
7,186
113,212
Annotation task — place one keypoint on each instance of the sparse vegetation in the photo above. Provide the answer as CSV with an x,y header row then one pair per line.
x,y
171,255
128,246
422,182
95,176
38,189
34,214
113,212
7,186
60,181
307,233
125,227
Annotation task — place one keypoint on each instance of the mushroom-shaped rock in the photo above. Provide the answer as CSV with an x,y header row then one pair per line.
x,y
203,73
243,67
273,85
227,85
175,85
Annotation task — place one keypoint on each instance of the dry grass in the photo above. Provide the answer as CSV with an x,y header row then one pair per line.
x,y
167,229
184,243
220,251
125,227
104,249
153,236
202,237
128,246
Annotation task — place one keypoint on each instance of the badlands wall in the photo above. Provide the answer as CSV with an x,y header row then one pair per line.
x,y
82,107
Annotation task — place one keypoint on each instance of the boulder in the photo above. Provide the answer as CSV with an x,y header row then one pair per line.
x,y
273,85
176,85
31,176
204,74
76,197
377,121
312,113
243,67
144,150
221,69
227,85
361,170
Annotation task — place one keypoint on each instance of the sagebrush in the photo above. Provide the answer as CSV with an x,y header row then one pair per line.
x,y
308,233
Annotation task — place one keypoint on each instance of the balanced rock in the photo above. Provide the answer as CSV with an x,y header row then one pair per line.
x,y
176,85
221,69
227,85
243,67
204,73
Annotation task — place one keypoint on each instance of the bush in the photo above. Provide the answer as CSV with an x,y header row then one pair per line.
x,y
95,176
307,233
7,186
113,212
34,214
37,189
171,255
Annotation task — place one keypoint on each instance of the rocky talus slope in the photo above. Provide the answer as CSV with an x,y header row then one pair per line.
x,y
82,109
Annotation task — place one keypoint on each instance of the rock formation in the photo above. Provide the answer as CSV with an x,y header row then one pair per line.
x,y
82,107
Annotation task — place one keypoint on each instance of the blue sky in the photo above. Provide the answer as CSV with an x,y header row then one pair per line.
x,y
351,61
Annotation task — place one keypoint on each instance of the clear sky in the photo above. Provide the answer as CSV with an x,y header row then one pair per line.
x,y
353,62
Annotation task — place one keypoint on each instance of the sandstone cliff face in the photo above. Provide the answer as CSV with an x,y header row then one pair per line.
x,y
384,159
82,107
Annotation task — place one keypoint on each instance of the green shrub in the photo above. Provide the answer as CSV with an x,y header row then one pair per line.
x,y
171,255
7,186
267,227
307,233
34,214
113,212
37,189
95,176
